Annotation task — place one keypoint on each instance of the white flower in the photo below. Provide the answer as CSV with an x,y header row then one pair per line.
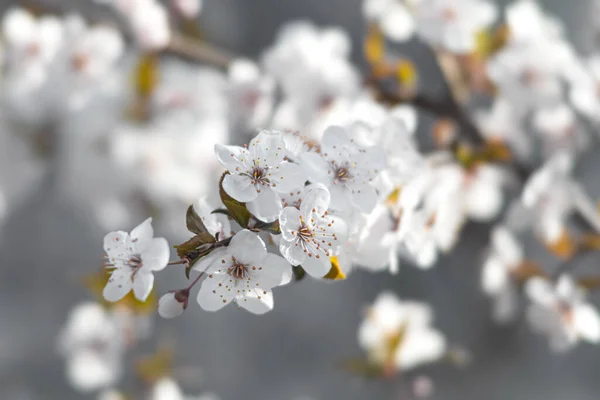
x,y
149,21
242,272
92,343
309,235
392,16
504,258
251,94
453,24
398,334
548,194
31,45
313,68
188,8
561,312
133,258
559,129
347,169
258,173
505,123
168,389
216,224
172,304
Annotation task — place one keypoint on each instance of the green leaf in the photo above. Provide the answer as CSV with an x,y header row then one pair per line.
x,y
271,227
185,249
237,210
299,273
194,222
222,211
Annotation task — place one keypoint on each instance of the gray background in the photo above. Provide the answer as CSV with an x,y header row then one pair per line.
x,y
48,243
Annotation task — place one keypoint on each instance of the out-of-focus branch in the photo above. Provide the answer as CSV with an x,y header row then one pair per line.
x,y
199,51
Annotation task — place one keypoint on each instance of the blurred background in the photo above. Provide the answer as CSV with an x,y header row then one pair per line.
x,y
49,241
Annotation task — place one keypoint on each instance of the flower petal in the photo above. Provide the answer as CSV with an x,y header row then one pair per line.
x,y
288,177
289,221
215,292
141,235
234,158
267,149
119,284
364,197
587,322
257,302
292,252
317,197
317,267
156,256
247,247
333,138
143,282
116,245
317,168
239,187
275,270
266,206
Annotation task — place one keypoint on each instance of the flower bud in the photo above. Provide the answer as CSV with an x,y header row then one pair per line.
x,y
173,303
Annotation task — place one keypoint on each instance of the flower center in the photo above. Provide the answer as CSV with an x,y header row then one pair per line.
x,y
135,262
259,175
305,233
342,174
237,270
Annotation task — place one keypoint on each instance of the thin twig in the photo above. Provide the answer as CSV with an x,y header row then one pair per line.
x,y
199,51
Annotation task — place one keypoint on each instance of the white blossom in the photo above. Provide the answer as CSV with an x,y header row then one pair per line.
x,y
400,333
133,258
503,260
310,235
561,312
92,343
242,272
453,24
392,16
258,174
347,169
547,194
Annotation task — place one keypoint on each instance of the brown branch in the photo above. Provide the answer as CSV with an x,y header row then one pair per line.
x,y
199,51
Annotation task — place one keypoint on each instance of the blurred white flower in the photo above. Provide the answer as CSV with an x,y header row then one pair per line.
x,y
548,194
31,46
242,272
392,16
398,334
504,258
133,258
309,235
188,8
505,123
313,69
251,94
561,312
168,389
93,344
453,24
559,129
347,169
258,173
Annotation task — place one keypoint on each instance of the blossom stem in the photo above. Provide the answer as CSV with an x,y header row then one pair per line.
x,y
195,281
178,262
